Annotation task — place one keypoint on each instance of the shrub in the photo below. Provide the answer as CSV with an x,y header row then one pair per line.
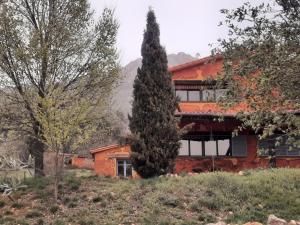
x,y
73,183
170,201
53,209
86,222
2,204
17,205
59,222
72,205
97,199
40,222
33,214
8,212
37,183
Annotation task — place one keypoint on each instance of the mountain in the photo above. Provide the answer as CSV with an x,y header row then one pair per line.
x,y
123,94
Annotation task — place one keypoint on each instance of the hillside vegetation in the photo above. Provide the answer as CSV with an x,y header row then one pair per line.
x,y
182,200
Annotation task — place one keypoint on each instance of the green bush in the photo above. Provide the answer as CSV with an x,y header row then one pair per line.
x,y
73,183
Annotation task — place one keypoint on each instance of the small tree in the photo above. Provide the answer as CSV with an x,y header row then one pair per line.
x,y
67,122
153,124
261,66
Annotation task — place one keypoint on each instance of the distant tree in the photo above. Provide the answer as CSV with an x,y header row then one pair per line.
x,y
51,47
153,125
262,66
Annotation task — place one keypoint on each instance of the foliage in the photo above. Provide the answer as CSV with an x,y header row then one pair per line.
x,y
153,125
51,48
261,65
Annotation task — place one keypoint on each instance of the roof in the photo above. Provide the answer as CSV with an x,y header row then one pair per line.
x,y
209,109
105,148
198,70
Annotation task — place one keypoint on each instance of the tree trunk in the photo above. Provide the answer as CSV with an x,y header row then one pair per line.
x,y
37,148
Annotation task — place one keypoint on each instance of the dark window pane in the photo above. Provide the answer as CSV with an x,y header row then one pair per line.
x,y
128,169
194,96
182,94
239,145
120,168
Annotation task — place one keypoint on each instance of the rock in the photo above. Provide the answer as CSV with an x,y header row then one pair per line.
x,y
253,223
273,220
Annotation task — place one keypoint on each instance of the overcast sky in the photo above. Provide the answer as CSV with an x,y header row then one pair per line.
x,y
185,25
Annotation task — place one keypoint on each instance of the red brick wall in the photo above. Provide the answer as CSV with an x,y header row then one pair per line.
x,y
105,161
82,163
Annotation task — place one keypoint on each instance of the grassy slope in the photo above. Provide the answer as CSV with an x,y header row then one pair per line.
x,y
179,200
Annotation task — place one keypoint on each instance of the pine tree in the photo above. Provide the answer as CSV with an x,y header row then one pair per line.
x,y
153,124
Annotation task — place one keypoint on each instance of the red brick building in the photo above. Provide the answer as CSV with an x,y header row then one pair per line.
x,y
113,161
210,145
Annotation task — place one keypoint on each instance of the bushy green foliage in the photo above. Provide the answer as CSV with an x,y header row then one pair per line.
x,y
264,40
153,125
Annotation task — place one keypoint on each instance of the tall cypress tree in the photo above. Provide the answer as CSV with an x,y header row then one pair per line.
x,y
153,124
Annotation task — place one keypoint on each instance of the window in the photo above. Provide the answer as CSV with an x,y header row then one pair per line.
x,y
223,146
182,94
194,96
184,148
196,148
220,147
124,168
207,95
239,145
210,148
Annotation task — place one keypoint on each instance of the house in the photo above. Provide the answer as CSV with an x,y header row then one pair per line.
x,y
209,145
113,161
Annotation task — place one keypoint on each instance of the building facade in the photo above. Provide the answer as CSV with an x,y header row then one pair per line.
x,y
209,145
